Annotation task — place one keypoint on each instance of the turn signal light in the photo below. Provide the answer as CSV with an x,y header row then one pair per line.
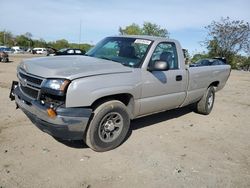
x,y
51,113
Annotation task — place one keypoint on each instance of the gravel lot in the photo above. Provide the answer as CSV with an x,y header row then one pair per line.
x,y
177,148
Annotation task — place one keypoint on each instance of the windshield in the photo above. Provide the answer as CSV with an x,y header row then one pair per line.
x,y
127,51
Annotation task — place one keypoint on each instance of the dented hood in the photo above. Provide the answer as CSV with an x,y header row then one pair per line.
x,y
71,67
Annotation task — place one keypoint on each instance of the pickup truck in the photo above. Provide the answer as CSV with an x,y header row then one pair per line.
x,y
94,97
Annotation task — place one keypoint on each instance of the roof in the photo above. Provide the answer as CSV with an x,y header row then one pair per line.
x,y
146,37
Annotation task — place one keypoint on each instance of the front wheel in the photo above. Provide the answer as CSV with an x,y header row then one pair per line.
x,y
109,126
205,105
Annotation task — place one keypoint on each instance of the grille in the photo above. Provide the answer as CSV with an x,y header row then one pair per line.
x,y
31,79
30,92
30,85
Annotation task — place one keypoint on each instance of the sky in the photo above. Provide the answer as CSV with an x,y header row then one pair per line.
x,y
60,19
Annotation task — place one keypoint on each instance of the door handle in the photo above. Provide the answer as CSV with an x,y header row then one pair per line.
x,y
178,78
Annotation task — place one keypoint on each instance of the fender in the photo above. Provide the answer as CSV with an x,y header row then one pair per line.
x,y
84,91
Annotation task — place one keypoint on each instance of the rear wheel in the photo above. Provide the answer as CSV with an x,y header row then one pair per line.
x,y
109,126
205,105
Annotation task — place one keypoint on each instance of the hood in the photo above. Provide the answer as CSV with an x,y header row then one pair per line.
x,y
71,67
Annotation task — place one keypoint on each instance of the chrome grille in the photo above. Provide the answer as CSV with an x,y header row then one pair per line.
x,y
31,79
30,85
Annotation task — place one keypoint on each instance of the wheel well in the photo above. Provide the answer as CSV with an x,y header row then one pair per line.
x,y
126,98
215,84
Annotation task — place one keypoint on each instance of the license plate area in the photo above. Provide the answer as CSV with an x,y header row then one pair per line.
x,y
12,94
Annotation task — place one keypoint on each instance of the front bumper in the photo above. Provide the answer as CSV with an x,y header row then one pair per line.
x,y
69,124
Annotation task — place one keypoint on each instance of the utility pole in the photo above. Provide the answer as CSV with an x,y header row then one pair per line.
x,y
80,33
4,39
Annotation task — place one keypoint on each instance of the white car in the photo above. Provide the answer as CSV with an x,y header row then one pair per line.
x,y
40,50
17,50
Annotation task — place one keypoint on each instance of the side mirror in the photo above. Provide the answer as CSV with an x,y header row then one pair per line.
x,y
159,66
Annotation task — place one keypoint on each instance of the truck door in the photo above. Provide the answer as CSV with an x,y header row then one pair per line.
x,y
163,90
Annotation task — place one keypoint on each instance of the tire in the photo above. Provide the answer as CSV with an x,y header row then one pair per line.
x,y
205,105
108,127
4,60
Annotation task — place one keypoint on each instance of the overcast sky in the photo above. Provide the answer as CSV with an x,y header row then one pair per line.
x,y
54,19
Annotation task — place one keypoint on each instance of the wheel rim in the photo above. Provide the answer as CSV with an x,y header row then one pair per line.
x,y
210,101
110,127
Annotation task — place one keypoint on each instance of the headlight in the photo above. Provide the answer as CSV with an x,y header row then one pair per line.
x,y
55,86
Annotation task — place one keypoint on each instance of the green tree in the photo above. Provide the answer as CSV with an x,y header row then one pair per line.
x,y
198,56
247,64
214,50
59,44
226,38
132,29
148,28
243,62
28,35
25,40
154,30
6,38
84,47
39,43
22,40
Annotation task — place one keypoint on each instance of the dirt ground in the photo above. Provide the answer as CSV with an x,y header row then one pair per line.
x,y
178,148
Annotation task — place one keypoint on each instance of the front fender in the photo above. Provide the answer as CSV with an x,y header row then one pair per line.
x,y
84,91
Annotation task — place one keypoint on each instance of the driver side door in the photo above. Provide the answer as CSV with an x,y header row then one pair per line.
x,y
163,90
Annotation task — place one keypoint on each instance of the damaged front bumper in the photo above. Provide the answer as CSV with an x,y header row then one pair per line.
x,y
68,124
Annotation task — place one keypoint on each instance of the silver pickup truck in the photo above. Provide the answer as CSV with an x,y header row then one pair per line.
x,y
94,97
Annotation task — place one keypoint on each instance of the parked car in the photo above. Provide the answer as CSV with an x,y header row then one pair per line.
x,y
4,57
17,50
39,51
6,49
66,51
94,97
209,62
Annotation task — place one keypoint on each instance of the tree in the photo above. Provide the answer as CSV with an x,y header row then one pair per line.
x,y
28,35
59,44
22,40
84,46
147,29
39,43
227,38
154,30
6,38
25,40
198,56
243,63
132,29
246,64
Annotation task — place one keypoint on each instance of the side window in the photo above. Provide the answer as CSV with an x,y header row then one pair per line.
x,y
165,52
217,62
70,51
78,51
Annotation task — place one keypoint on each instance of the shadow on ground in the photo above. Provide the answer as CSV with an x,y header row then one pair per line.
x,y
77,144
138,124
7,62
